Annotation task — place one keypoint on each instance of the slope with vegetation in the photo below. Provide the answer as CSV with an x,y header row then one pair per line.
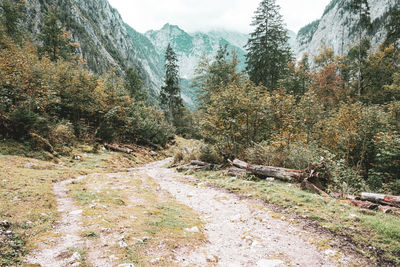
x,y
337,116
49,98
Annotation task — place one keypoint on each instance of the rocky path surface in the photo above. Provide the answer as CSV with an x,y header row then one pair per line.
x,y
240,233
57,251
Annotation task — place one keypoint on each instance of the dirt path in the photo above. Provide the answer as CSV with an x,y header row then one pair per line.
x,y
240,233
59,251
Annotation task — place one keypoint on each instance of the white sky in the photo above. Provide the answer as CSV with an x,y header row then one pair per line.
x,y
205,15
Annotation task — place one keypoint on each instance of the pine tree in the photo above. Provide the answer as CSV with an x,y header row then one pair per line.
x,y
212,75
268,49
393,26
299,77
170,95
55,40
134,85
362,10
11,17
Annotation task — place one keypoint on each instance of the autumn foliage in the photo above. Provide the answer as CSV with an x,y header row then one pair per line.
x,y
57,99
314,118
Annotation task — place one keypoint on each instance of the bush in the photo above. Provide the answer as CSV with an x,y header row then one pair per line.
x,y
40,143
210,155
345,179
62,137
22,120
107,130
146,125
294,156
386,168
62,134
178,157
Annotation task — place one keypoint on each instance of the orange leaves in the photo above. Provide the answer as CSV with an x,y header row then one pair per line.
x,y
328,85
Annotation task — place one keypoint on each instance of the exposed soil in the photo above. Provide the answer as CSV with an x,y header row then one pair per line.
x,y
241,232
58,251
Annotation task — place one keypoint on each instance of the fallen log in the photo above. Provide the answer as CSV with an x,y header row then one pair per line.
x,y
190,167
363,204
268,171
238,163
305,184
382,199
195,165
390,210
199,163
118,148
236,172
136,149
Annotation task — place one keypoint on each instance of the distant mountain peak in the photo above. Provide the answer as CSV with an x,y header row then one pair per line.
x,y
171,27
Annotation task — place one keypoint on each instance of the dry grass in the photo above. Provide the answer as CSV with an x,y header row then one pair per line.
x,y
184,150
26,198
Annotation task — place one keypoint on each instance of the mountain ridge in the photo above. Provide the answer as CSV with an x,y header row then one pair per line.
x,y
336,28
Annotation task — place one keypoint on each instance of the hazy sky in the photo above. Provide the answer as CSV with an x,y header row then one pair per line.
x,y
204,15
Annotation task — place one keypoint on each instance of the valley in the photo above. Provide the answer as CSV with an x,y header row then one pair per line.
x,y
191,144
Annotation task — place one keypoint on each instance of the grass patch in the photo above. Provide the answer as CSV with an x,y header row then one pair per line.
x,y
375,233
26,198
82,254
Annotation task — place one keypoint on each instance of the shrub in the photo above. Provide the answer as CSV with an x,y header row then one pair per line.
x,y
178,157
62,137
345,179
294,156
62,134
386,168
210,155
40,143
22,121
146,125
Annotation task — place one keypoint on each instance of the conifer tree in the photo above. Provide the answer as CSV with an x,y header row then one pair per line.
x,y
55,40
11,17
362,10
393,26
170,95
268,49
134,84
212,75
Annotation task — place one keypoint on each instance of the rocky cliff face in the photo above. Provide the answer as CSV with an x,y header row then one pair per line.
x,y
337,28
105,41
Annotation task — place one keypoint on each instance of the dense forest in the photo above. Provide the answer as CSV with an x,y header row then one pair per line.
x,y
340,114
